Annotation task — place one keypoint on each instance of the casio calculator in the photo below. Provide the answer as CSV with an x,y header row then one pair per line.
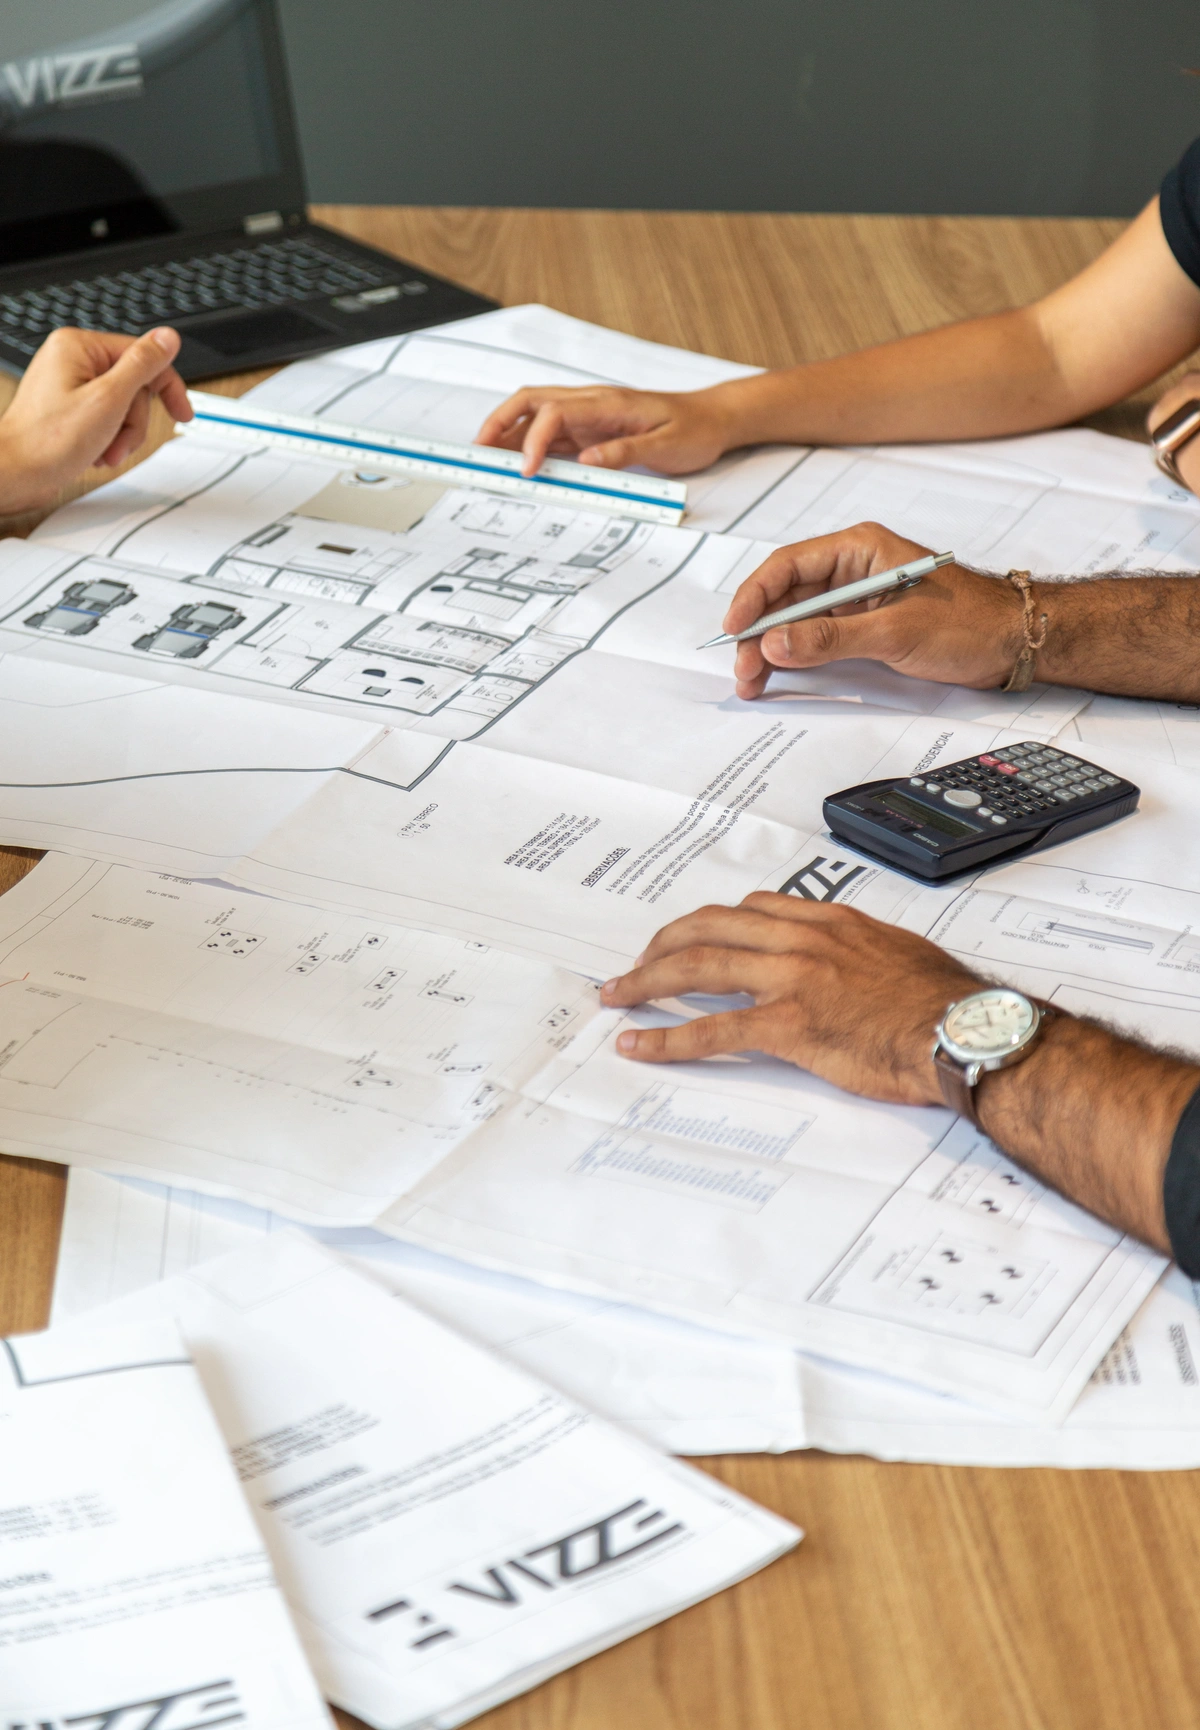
x,y
955,817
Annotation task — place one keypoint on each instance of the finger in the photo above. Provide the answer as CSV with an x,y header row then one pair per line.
x,y
521,406
750,670
766,921
799,910
748,689
616,454
811,567
172,392
716,971
141,364
544,429
710,1035
778,580
132,432
879,635
764,926
652,450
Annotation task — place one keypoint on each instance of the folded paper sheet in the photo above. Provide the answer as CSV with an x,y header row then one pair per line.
x,y
689,1390
1140,1410
170,1029
134,1578
447,1530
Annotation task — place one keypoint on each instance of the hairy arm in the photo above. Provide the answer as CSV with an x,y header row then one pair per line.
x,y
855,1001
1131,636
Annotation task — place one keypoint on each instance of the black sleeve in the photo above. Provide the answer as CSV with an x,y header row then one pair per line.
x,y
1179,206
1181,1189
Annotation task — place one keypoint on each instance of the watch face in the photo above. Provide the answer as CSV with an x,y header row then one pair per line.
x,y
988,1024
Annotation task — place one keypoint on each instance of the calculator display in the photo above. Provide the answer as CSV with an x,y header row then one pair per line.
x,y
922,814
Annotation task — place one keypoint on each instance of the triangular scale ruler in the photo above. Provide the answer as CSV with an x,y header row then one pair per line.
x,y
647,497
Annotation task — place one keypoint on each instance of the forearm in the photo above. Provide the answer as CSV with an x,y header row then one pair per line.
x,y
1130,636
1111,329
980,379
1092,1115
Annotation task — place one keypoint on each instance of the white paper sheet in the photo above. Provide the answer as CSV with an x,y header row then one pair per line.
x,y
1101,925
447,1530
740,1194
1140,1410
559,770
686,1389
313,1063
1068,502
134,1586
689,1390
605,804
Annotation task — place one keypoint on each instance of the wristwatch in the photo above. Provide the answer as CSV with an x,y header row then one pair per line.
x,y
1170,436
987,1031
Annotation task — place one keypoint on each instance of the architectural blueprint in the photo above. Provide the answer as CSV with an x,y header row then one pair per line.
x,y
473,1103
310,1063
490,656
959,1240
1068,502
489,722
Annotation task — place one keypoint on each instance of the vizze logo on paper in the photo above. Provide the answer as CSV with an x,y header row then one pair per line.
x,y
189,1709
548,1567
821,879
64,80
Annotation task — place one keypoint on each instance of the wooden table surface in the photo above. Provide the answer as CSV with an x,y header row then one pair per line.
x,y
924,1597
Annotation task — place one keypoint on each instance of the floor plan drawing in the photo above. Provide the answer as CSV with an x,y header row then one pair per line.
x,y
451,620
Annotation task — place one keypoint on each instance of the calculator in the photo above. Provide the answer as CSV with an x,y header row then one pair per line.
x,y
953,818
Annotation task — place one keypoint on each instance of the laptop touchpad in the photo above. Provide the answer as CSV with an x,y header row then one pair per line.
x,y
242,333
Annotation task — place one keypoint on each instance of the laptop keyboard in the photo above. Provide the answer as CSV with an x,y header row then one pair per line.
x,y
275,273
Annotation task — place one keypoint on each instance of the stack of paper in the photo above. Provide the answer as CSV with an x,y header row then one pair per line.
x,y
447,1531
132,1576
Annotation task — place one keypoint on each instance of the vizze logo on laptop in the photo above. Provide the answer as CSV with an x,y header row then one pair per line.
x,y
81,75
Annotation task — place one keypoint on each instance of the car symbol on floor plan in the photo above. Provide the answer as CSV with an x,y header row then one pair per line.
x,y
81,609
189,630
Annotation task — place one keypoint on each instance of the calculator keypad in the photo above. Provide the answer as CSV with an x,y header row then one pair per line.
x,y
1018,781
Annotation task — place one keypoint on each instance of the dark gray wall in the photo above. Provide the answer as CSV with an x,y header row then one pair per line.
x,y
1025,107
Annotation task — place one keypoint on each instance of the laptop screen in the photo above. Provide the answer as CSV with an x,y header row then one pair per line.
x,y
121,119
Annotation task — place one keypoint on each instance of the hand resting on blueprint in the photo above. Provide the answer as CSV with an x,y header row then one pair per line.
x,y
856,1002
84,400
1131,636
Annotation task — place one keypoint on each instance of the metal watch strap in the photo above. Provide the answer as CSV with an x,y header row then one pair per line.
x,y
1168,439
957,1091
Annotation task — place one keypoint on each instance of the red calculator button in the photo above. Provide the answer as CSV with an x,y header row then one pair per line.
x,y
989,762
1008,768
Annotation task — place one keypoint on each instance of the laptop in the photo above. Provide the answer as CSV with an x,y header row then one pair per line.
x,y
150,174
